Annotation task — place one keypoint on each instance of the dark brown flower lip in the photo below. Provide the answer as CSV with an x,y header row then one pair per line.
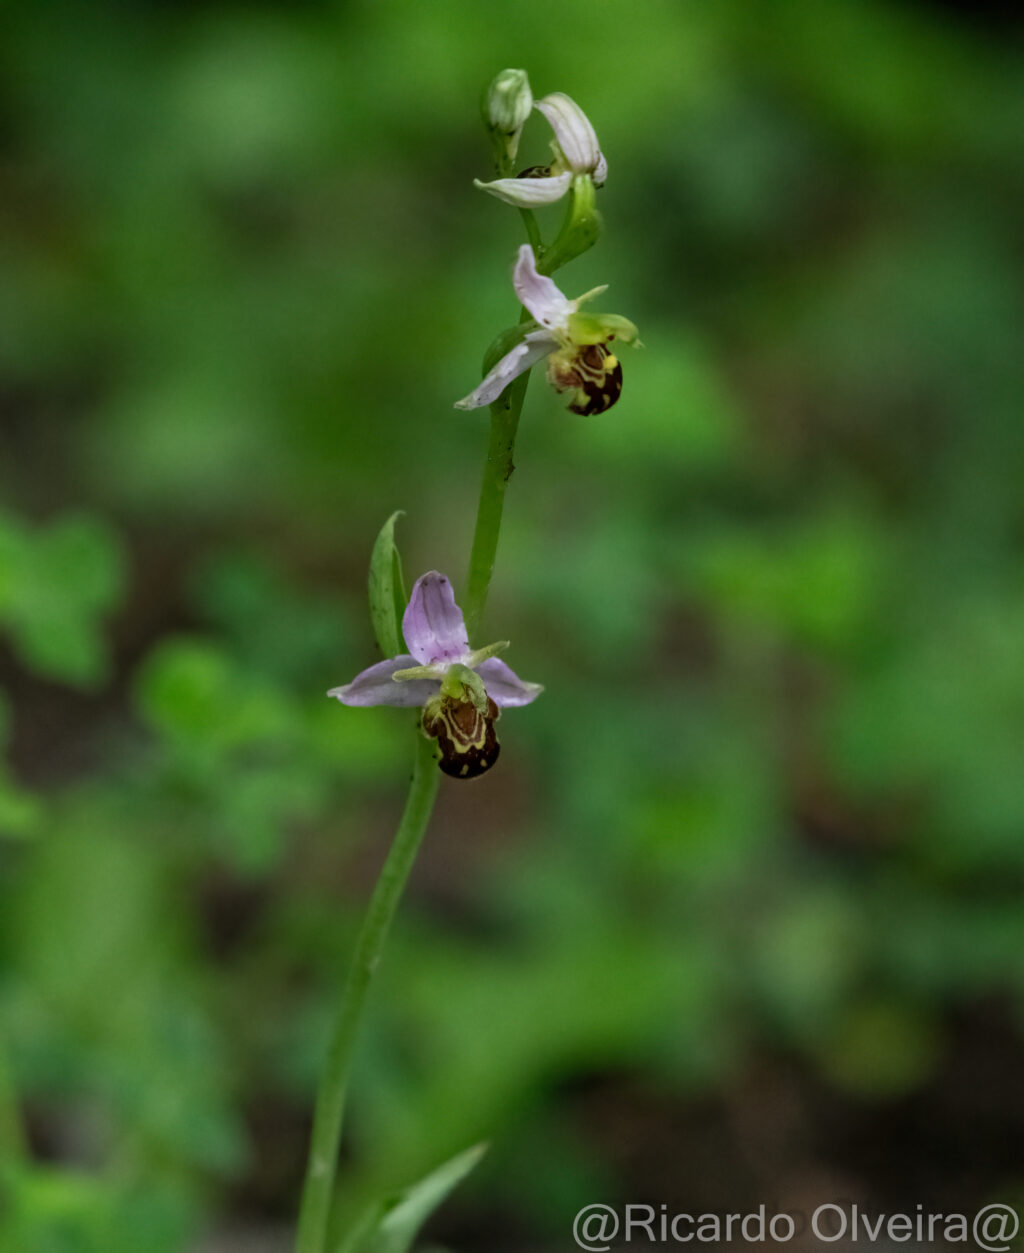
x,y
593,373
466,737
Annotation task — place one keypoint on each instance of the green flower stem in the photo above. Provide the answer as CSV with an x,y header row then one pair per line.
x,y
318,1191
506,410
532,232
505,414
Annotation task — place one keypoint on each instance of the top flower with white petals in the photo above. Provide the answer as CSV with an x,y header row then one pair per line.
x,y
576,154
461,690
574,343
575,143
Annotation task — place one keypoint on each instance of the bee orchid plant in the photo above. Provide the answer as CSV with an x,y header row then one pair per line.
x,y
458,692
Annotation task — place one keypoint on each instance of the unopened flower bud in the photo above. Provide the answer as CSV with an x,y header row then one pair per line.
x,y
507,105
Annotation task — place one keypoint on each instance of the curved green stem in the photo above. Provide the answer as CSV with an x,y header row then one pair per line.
x,y
498,467
318,1190
578,233
532,232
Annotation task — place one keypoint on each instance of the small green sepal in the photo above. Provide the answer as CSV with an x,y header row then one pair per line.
x,y
600,328
464,684
479,655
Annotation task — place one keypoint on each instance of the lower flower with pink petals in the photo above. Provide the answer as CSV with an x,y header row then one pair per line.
x,y
461,690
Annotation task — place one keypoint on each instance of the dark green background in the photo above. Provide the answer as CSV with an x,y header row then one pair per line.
x,y
738,918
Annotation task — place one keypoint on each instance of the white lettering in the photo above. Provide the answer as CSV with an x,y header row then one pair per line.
x,y
788,1220
644,1224
820,1231
956,1228
900,1227
675,1228
758,1219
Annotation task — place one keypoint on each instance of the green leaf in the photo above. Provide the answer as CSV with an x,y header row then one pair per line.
x,y
387,590
392,1226
56,585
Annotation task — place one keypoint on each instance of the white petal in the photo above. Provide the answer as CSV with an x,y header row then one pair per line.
x,y
527,193
573,132
539,293
536,345
600,175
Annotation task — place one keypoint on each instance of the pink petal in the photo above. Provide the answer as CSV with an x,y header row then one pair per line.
x,y
504,686
539,293
534,346
376,686
433,625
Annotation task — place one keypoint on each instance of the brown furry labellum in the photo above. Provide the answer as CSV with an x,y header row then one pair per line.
x,y
466,737
593,373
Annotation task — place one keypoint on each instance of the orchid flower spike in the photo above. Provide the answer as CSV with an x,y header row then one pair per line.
x,y
575,344
576,153
462,691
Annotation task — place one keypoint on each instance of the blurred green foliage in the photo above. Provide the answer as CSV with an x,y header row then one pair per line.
x,y
770,802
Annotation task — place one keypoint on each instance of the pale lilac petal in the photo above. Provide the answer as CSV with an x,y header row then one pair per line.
x,y
504,686
534,346
377,687
528,193
433,625
538,293
573,132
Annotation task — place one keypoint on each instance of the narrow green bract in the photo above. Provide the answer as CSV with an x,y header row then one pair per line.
x,y
392,1226
387,590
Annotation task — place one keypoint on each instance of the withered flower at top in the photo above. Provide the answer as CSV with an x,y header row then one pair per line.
x,y
577,154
